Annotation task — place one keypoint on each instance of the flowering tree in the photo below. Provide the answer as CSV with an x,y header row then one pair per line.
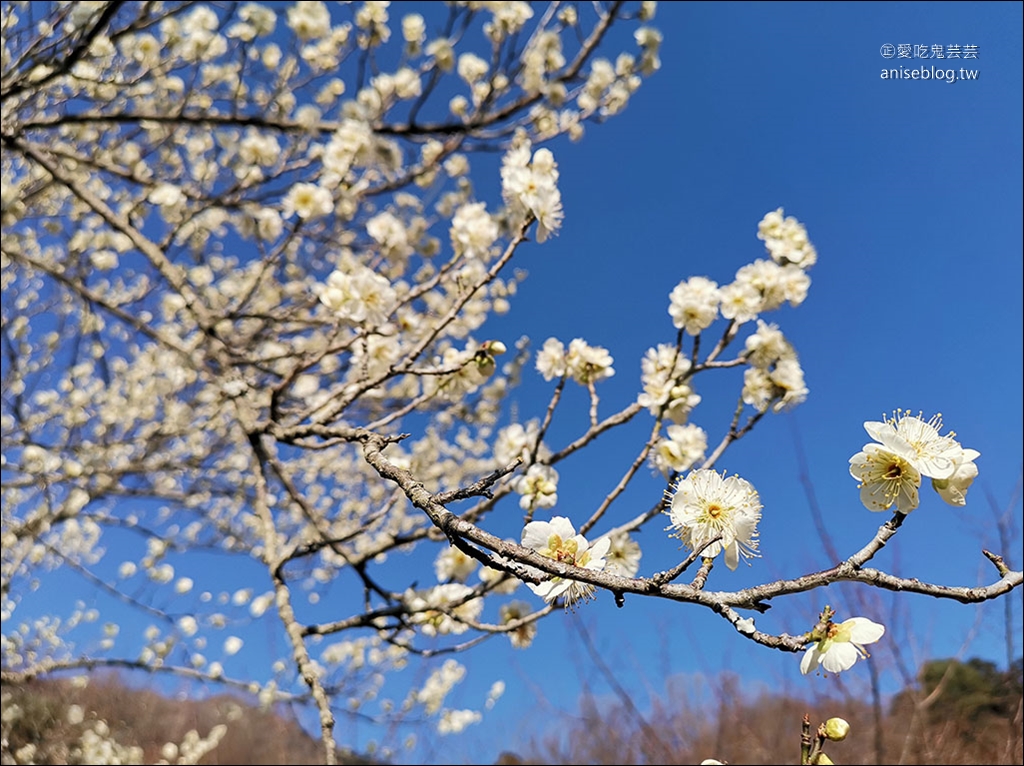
x,y
246,277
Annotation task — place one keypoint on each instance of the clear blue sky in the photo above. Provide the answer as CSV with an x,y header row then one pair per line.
x,y
911,193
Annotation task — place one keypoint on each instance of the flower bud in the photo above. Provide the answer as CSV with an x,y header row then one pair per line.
x,y
496,347
836,729
484,363
824,760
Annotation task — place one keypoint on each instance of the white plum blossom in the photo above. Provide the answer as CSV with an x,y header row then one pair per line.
x,y
309,20
649,40
538,487
551,360
453,565
531,187
104,260
522,636
259,605
517,441
919,441
623,556
886,478
468,371
348,147
788,379
438,684
454,721
500,582
407,83
471,67
684,446
767,345
494,693
307,201
740,301
954,488
557,539
773,283
842,645
509,17
414,31
473,231
588,364
693,304
257,149
786,240
358,296
908,448
775,377
706,505
665,383
391,234
259,18
443,609
371,356
166,195
188,625
443,54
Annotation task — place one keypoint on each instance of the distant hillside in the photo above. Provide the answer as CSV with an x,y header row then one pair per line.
x,y
956,713
139,718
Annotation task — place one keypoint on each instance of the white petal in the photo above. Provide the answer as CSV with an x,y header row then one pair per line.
x,y
558,587
711,551
908,498
863,630
873,497
744,526
839,657
600,548
732,556
938,466
562,527
810,660
536,534
875,429
549,590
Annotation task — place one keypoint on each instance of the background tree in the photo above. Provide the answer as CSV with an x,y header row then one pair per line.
x,y
246,276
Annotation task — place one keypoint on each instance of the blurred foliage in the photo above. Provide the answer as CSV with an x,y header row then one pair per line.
x,y
37,714
956,713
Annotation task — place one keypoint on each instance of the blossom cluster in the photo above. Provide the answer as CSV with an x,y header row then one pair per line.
x,y
907,447
586,364
358,295
666,383
530,186
773,378
761,286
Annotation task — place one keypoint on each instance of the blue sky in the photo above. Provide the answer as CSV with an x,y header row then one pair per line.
x,y
911,191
